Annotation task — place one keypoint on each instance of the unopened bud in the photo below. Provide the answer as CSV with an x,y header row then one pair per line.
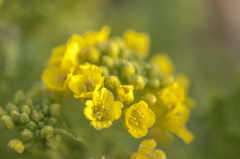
x,y
52,121
15,115
45,109
27,134
37,133
167,81
128,70
40,124
108,61
2,112
31,125
137,81
91,54
35,117
105,71
11,107
24,118
124,53
16,145
29,102
47,132
113,49
55,110
149,98
153,82
152,69
19,97
26,109
112,82
7,122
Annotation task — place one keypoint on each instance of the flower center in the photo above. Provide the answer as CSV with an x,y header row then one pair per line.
x,y
88,86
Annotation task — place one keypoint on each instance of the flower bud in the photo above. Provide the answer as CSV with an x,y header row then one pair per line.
x,y
112,82
124,53
15,115
27,134
153,82
41,116
2,112
19,97
11,107
47,132
137,81
45,109
113,49
167,81
16,145
128,70
7,122
91,54
149,98
125,93
108,61
55,110
52,121
35,117
25,109
152,69
31,125
29,102
24,118
105,71
40,124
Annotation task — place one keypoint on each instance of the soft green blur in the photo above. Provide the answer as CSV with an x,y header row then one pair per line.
x,y
29,29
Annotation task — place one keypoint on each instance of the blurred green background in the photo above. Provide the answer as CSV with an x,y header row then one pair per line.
x,y
195,34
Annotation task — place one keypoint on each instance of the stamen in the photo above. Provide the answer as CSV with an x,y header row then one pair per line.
x,y
99,117
103,105
108,118
153,155
84,88
107,108
179,113
148,155
95,108
64,75
138,112
141,116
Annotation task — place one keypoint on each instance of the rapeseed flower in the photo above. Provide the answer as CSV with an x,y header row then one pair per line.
x,y
88,80
137,42
164,62
138,118
102,110
125,93
147,151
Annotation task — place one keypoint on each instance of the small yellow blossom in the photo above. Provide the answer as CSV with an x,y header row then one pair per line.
x,y
88,80
125,93
138,118
147,151
170,96
93,38
102,109
138,42
164,63
112,82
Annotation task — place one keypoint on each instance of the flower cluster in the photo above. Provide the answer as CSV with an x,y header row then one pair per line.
x,y
112,73
34,114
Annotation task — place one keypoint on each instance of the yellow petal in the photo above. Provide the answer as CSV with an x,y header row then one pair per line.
x,y
76,84
89,110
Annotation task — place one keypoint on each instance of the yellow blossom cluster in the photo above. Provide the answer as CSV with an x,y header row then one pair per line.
x,y
112,73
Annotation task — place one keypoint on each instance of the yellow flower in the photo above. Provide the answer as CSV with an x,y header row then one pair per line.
x,y
147,151
138,42
164,62
138,118
63,61
56,79
170,96
112,82
102,109
175,120
183,81
87,80
93,38
125,93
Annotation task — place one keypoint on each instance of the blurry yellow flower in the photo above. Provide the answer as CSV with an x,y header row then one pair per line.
x,y
102,109
54,78
16,145
125,93
170,96
93,38
175,120
138,118
57,56
112,82
138,42
147,151
88,80
164,62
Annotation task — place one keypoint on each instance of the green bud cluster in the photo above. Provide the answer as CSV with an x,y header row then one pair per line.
x,y
34,113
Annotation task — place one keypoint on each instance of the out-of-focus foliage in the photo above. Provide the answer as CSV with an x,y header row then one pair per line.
x,y
30,29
